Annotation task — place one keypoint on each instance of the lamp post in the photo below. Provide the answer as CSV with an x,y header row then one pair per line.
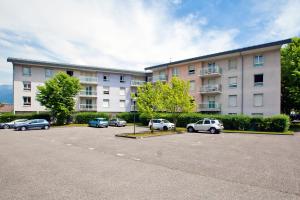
x,y
134,110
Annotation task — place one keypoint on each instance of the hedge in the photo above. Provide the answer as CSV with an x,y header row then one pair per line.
x,y
84,117
10,117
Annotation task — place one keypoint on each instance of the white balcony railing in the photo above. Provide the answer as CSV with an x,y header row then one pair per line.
x,y
88,93
88,79
158,78
136,83
211,89
211,71
88,107
212,106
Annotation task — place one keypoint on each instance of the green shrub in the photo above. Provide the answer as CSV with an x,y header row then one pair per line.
x,y
84,117
10,117
129,117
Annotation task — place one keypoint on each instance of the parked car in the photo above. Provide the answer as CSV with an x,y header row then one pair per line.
x,y
117,122
211,125
12,123
161,124
33,124
98,122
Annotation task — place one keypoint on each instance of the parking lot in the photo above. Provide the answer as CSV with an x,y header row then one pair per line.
x,y
91,163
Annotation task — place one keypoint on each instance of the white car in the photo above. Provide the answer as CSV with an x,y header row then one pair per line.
x,y
211,125
161,124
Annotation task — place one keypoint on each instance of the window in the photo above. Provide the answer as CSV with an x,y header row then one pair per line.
x,y
257,114
27,85
232,64
232,100
88,90
105,78
70,73
192,86
191,69
258,80
122,91
49,73
122,79
258,100
122,103
258,60
232,82
206,122
105,89
26,101
175,71
88,103
199,122
105,103
26,71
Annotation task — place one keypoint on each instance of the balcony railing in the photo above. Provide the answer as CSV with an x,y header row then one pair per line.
x,y
88,93
213,107
136,83
88,79
158,78
88,107
211,71
211,89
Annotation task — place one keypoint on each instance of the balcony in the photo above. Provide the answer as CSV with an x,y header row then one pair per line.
x,y
87,107
88,79
211,89
136,83
210,71
158,78
88,93
210,107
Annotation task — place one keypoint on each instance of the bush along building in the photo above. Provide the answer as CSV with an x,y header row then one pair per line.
x,y
241,81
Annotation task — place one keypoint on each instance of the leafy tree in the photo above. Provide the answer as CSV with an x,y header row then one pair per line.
x,y
149,100
290,77
57,95
176,98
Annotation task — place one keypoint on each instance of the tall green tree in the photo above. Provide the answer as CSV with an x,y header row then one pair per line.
x,y
177,99
290,77
149,100
58,95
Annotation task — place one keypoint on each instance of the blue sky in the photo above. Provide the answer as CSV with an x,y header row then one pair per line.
x,y
135,34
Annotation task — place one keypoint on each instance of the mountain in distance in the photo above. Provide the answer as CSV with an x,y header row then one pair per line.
x,y
6,94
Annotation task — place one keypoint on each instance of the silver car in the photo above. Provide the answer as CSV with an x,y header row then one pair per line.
x,y
12,124
211,125
117,122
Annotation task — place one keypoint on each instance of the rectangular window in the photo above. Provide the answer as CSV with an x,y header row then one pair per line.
x,y
232,99
122,79
191,69
105,89
258,60
26,71
105,103
232,64
232,82
122,103
27,85
175,71
258,80
122,91
70,73
258,100
192,86
105,78
88,103
27,101
49,73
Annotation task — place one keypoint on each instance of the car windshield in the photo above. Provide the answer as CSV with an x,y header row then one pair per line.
x,y
165,121
199,122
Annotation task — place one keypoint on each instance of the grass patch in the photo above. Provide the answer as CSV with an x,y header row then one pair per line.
x,y
295,127
259,132
149,134
137,124
70,125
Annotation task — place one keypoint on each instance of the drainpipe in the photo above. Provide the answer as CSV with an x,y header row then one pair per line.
x,y
242,84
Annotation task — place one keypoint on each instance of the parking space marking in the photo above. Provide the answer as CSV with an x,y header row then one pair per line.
x,y
120,154
91,148
69,144
136,159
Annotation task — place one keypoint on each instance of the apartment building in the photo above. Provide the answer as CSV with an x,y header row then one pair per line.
x,y
241,81
103,89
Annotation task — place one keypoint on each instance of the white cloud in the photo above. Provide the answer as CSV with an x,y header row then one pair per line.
x,y
121,34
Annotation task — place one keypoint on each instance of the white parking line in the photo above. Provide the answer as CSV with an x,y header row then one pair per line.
x,y
91,148
69,144
120,154
136,159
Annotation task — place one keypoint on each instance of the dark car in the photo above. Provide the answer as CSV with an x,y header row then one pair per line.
x,y
117,122
33,124
12,124
98,122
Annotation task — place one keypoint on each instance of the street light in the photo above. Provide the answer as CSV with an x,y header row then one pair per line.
x,y
134,110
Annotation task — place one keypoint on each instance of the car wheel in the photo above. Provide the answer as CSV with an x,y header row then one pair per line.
x,y
190,129
46,127
6,126
212,130
23,128
165,128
